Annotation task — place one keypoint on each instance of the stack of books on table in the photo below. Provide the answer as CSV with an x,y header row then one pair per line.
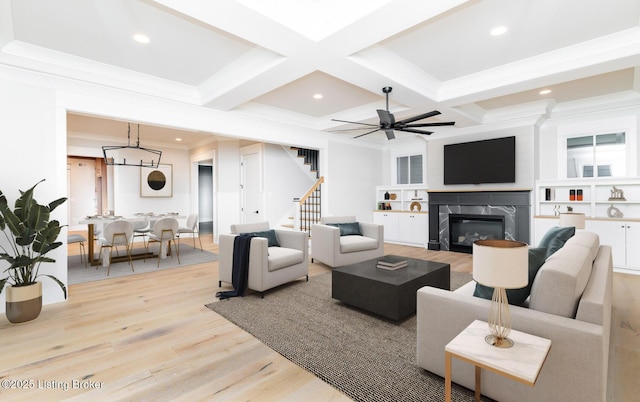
x,y
392,263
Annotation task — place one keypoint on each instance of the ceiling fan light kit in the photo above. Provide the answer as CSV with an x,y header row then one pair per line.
x,y
388,123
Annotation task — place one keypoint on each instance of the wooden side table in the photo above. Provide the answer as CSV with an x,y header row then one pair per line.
x,y
522,362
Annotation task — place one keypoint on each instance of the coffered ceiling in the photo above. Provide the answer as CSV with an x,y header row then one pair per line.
x,y
267,58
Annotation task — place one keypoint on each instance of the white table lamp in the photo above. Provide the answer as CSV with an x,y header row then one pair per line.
x,y
501,264
574,219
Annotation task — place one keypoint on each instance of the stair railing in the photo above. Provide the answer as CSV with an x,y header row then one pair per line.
x,y
310,207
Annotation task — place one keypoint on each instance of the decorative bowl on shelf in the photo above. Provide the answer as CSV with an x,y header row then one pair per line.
x,y
393,196
415,206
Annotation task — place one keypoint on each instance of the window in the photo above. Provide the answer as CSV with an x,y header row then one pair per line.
x,y
409,169
601,155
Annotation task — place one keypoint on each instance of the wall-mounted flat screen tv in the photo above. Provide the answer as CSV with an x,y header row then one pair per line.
x,y
476,162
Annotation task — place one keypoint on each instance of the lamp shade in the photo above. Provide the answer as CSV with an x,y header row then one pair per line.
x,y
501,263
574,219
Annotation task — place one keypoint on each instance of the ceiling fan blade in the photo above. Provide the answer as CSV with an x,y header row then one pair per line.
x,y
419,117
362,135
355,122
352,129
390,134
386,118
440,123
412,130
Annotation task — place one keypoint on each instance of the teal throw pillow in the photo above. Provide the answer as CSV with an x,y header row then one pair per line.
x,y
556,237
537,256
347,229
270,235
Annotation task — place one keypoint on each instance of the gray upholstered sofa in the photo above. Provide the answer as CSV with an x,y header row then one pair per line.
x,y
335,247
570,303
268,266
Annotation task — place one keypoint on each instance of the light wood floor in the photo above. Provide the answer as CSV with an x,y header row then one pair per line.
x,y
149,337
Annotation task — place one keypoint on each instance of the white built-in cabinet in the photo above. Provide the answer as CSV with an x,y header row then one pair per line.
x,y
624,238
406,222
612,208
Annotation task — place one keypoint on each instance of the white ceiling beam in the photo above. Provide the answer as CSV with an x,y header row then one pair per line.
x,y
232,87
609,53
385,22
216,90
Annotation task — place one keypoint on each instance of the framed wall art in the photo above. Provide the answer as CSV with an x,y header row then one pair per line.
x,y
156,182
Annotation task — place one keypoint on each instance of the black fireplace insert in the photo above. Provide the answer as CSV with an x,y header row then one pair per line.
x,y
464,229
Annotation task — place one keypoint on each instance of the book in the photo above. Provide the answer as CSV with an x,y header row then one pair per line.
x,y
390,261
392,268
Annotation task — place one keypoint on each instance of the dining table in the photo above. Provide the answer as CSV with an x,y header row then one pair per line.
x,y
102,220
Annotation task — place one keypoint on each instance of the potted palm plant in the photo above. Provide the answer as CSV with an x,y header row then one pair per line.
x,y
30,236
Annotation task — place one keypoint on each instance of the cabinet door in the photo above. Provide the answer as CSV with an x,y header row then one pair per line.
x,y
390,222
413,228
612,233
421,229
633,245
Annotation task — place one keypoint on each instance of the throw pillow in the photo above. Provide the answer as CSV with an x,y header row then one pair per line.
x,y
516,297
347,229
270,235
556,237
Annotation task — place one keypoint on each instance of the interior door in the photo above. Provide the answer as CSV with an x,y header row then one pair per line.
x,y
81,190
252,203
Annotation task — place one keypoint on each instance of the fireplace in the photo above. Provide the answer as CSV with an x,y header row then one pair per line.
x,y
464,229
513,205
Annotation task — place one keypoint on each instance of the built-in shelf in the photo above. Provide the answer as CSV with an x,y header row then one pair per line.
x,y
410,198
616,220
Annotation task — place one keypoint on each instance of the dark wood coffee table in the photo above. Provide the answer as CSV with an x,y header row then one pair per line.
x,y
391,294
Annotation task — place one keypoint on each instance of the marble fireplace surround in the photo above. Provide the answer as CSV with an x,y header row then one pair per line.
x,y
515,205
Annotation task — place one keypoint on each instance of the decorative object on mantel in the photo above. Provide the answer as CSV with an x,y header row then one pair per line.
x,y
117,154
501,264
415,206
613,212
556,210
617,194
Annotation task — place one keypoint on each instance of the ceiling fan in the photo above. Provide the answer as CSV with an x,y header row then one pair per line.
x,y
388,123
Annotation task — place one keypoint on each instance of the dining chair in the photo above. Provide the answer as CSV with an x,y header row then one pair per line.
x,y
164,231
192,228
78,238
142,228
115,234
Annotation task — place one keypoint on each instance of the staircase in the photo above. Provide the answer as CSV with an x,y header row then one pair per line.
x,y
310,159
307,209
310,208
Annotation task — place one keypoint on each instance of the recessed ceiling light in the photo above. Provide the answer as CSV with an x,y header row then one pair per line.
x,y
497,31
317,96
141,38
178,139
545,92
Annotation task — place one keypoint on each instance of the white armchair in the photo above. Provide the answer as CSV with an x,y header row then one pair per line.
x,y
329,247
268,266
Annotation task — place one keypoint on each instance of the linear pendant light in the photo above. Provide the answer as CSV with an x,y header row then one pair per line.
x,y
116,155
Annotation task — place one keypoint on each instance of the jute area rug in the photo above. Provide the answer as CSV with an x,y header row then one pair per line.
x,y
366,357
78,273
